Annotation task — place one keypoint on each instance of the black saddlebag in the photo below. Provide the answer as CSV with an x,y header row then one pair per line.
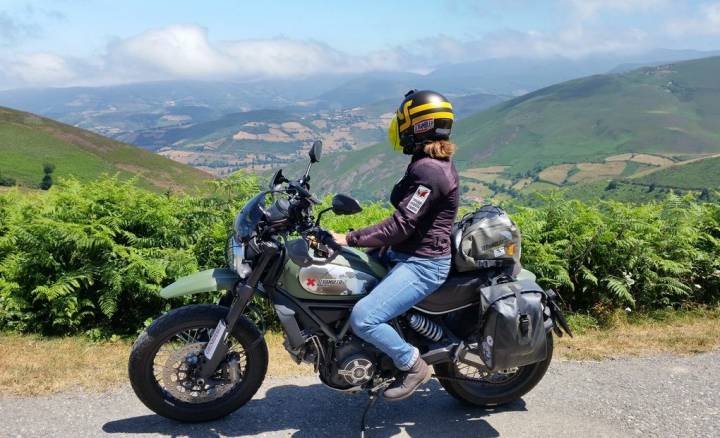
x,y
512,325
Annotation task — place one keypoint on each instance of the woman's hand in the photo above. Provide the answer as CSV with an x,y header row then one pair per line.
x,y
339,238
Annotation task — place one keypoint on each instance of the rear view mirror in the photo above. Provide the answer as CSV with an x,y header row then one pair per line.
x,y
316,151
344,204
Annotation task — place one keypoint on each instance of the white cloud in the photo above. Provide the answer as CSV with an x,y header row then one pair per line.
x,y
706,22
181,50
40,69
185,51
586,27
585,9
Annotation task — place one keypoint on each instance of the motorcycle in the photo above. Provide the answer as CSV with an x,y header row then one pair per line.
x,y
202,362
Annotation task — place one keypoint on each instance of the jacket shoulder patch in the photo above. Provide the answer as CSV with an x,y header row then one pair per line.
x,y
416,202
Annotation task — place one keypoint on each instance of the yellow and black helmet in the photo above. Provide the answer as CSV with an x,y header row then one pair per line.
x,y
423,116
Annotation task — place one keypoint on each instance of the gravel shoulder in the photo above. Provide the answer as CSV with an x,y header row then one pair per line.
x,y
659,396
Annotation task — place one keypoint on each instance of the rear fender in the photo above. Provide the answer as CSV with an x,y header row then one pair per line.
x,y
205,281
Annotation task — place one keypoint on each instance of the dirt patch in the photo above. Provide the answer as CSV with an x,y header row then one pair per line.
x,y
522,183
319,123
595,171
620,157
653,160
486,174
556,174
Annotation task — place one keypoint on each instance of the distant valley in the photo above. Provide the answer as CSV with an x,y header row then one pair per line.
x,y
578,135
639,127
223,126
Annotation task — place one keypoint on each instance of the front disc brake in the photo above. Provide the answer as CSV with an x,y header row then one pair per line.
x,y
180,382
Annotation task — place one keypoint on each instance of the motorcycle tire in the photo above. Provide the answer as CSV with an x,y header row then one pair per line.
x,y
488,394
142,369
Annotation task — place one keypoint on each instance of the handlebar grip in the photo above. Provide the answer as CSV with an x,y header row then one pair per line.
x,y
326,239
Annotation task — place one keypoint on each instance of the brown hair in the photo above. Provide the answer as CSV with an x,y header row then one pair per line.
x,y
440,149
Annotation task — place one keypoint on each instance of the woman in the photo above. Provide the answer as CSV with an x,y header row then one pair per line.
x,y
417,234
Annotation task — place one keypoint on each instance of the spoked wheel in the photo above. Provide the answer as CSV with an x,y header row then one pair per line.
x,y
481,387
163,365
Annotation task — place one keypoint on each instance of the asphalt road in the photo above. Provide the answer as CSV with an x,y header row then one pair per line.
x,y
654,396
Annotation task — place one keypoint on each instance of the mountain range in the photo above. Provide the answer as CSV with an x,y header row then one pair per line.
x,y
639,120
602,127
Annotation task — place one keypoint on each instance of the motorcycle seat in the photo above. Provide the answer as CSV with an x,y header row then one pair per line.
x,y
459,290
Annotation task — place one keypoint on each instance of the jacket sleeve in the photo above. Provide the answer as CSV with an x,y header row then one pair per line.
x,y
415,204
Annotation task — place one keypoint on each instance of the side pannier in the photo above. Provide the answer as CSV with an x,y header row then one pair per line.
x,y
512,323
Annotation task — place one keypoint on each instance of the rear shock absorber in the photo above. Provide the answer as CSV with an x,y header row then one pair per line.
x,y
425,326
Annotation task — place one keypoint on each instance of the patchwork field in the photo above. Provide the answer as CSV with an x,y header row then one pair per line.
x,y
637,172
592,171
556,174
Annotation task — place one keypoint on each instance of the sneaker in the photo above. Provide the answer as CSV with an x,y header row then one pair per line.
x,y
406,383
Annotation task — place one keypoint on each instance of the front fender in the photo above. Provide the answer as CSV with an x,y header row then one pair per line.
x,y
204,281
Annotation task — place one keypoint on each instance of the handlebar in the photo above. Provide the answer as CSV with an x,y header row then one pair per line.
x,y
302,191
322,241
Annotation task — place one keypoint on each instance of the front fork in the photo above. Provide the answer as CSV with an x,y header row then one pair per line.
x,y
217,348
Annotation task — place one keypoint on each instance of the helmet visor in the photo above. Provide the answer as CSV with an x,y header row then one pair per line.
x,y
394,134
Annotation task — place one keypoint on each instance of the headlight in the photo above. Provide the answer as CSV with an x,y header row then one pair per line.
x,y
236,258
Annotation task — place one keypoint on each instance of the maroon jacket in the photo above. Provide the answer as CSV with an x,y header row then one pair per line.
x,y
426,201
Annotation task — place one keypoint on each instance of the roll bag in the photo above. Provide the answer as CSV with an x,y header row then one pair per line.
x,y
487,238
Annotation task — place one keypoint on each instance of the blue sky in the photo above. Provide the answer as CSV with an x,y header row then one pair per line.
x,y
64,42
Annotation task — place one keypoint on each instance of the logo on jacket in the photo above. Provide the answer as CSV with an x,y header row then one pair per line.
x,y
421,195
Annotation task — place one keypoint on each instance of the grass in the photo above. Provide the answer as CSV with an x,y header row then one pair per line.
x,y
33,365
683,332
27,141
696,175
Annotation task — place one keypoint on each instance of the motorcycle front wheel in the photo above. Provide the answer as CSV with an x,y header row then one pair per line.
x,y
478,387
165,356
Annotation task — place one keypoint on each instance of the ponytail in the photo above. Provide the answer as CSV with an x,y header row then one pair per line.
x,y
440,149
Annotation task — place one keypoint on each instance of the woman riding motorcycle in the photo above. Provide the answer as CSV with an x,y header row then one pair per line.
x,y
417,234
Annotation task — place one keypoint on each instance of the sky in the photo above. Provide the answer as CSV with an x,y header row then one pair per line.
x,y
94,42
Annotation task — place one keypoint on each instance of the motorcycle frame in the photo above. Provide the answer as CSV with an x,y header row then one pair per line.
x,y
265,275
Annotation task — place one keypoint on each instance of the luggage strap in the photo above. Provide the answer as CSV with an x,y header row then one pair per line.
x,y
497,263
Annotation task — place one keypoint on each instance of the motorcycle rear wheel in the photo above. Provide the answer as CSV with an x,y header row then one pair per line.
x,y
161,360
494,390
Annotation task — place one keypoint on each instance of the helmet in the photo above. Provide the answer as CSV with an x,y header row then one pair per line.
x,y
423,116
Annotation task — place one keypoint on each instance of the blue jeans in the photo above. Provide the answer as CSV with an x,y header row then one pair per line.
x,y
411,280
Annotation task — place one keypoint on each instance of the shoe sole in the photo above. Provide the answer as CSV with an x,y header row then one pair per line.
x,y
424,381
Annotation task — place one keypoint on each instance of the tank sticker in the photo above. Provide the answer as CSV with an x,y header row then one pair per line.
x,y
335,280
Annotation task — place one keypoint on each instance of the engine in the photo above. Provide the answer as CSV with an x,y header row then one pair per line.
x,y
353,367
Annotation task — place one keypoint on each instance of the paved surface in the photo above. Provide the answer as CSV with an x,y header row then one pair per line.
x,y
656,396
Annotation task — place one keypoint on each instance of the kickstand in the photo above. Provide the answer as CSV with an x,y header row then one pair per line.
x,y
371,401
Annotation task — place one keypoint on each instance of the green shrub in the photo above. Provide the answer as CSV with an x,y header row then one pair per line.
x,y
95,255
613,255
92,257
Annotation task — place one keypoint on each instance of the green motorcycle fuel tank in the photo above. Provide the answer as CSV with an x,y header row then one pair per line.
x,y
351,275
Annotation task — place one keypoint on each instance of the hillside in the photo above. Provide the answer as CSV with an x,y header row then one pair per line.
x,y
259,138
694,175
27,141
591,129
